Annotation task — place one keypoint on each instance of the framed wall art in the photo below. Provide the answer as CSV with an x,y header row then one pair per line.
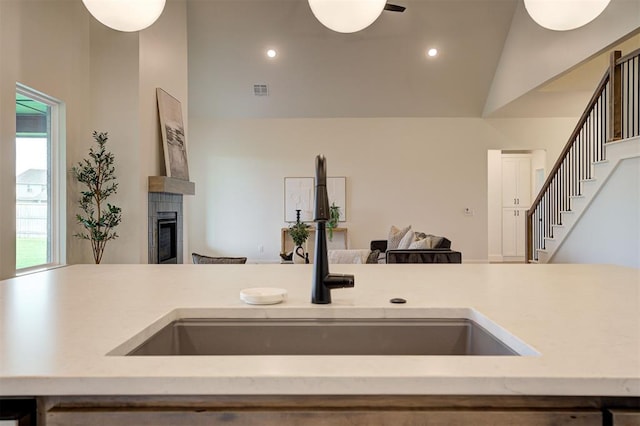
x,y
337,192
173,136
299,194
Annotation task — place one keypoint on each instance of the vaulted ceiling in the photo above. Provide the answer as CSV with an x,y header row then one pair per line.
x,y
382,71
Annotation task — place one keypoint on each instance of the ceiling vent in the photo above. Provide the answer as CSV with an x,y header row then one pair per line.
x,y
260,90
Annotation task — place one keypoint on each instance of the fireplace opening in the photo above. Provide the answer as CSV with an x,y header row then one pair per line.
x,y
167,238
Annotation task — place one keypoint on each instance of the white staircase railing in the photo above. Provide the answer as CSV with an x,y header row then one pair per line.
x,y
613,113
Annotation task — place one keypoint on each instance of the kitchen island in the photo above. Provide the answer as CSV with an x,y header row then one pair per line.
x,y
578,327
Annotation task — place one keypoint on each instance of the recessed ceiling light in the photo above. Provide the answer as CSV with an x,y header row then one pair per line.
x,y
432,52
271,53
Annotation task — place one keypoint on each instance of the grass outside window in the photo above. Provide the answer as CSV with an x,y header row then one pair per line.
x,y
31,252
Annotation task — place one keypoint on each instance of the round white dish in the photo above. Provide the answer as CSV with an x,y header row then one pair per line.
x,y
263,295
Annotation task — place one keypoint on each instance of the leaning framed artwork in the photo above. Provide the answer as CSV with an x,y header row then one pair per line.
x,y
173,137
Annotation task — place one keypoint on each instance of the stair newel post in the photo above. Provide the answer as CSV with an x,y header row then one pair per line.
x,y
615,97
528,236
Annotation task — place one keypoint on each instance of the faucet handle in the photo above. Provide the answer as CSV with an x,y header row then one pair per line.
x,y
339,281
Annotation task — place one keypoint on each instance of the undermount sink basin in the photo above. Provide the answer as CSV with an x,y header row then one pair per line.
x,y
296,336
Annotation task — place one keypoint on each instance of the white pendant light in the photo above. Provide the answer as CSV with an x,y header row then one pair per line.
x,y
347,16
126,15
564,15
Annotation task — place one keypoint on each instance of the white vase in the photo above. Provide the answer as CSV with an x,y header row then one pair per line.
x,y
299,255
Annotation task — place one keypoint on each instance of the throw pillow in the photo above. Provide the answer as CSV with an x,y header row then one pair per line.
x,y
420,236
373,256
434,240
420,244
406,241
395,236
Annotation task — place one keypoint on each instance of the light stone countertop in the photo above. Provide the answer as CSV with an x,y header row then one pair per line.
x,y
58,327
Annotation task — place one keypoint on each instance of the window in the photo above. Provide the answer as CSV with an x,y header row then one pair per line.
x,y
40,206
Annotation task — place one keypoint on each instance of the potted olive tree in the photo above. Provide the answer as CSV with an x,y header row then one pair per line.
x,y
99,218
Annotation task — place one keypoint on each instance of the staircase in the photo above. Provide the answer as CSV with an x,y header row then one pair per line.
x,y
616,153
607,134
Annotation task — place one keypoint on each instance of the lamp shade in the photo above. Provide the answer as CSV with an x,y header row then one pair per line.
x,y
346,16
125,15
563,15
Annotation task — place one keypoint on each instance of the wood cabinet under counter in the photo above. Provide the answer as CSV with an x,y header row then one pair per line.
x,y
344,410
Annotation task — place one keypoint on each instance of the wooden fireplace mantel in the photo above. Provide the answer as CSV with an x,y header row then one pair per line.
x,y
171,185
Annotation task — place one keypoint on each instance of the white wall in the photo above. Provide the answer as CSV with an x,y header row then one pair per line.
x,y
533,55
107,81
494,205
126,68
115,109
54,60
538,161
163,63
8,70
609,230
400,171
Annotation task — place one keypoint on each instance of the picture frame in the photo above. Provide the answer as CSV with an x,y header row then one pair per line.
x,y
337,193
173,136
299,194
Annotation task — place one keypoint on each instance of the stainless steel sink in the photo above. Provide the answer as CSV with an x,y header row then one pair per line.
x,y
430,336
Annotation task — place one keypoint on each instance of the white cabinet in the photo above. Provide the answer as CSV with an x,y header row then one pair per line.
x,y
516,198
513,232
516,180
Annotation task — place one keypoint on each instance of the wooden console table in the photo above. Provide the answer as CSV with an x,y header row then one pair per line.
x,y
340,240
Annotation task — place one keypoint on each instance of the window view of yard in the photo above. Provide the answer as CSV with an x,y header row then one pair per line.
x,y
30,252
36,152
32,208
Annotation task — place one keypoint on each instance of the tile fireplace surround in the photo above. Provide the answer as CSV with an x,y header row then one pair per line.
x,y
165,197
161,203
